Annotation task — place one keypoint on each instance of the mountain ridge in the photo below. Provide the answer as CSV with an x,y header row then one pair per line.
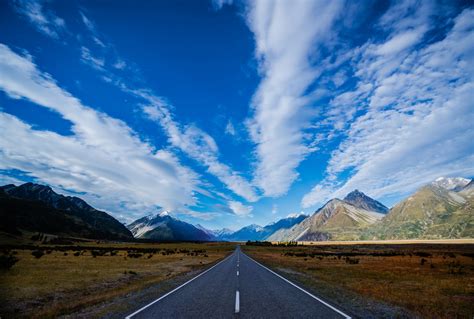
x,y
36,207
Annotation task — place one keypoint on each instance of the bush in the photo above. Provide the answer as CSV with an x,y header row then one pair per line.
x,y
352,261
96,253
37,253
7,261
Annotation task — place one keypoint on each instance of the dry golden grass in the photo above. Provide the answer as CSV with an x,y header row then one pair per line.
x,y
60,282
441,286
397,241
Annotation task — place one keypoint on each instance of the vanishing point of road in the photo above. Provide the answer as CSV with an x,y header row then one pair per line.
x,y
238,287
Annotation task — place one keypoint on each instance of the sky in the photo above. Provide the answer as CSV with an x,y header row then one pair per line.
x,y
228,113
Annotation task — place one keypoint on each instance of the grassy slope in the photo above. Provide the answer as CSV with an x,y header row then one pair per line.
x,y
428,214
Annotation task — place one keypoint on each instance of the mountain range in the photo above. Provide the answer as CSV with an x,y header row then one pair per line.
x,y
163,227
441,209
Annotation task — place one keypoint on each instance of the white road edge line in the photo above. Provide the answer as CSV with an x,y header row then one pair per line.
x,y
306,292
237,302
177,288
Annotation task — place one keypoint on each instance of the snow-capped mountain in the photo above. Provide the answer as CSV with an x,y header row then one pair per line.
x,y
222,233
256,232
451,183
164,227
250,232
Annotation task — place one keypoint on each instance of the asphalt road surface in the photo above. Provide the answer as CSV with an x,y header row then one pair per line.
x,y
238,287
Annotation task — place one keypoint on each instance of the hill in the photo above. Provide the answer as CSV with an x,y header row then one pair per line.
x,y
438,210
37,208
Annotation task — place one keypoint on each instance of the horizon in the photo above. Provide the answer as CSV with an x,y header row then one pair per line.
x,y
230,113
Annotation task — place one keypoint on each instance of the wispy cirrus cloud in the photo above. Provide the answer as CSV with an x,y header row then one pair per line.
x,y
44,20
415,102
104,158
201,147
288,37
191,140
89,59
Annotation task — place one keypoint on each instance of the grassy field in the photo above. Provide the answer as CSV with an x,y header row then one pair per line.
x,y
50,280
430,280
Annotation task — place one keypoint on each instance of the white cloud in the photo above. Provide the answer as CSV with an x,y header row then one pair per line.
x,y
230,129
219,4
89,59
191,140
240,209
401,42
288,35
43,20
120,64
418,117
88,23
199,146
103,157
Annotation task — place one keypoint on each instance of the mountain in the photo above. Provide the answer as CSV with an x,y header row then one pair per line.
x,y
454,184
285,223
468,190
251,232
360,200
222,233
256,232
336,220
209,232
38,208
163,227
442,209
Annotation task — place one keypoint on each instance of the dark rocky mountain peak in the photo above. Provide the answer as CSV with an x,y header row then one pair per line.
x,y
360,200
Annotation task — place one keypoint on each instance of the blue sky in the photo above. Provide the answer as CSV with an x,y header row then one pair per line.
x,y
228,113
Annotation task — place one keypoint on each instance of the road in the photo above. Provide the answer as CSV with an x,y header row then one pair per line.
x,y
238,287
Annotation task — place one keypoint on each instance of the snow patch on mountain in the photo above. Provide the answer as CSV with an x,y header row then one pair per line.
x,y
451,183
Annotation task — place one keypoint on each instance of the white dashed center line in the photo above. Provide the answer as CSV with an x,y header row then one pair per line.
x,y
237,302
